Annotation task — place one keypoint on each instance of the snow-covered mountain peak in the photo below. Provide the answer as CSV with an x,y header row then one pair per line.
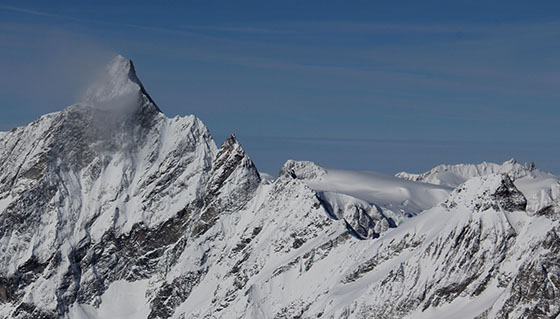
x,y
231,141
517,170
302,170
117,88
231,147
495,191
233,178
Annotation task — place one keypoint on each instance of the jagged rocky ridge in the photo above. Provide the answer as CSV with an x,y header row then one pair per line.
x,y
109,209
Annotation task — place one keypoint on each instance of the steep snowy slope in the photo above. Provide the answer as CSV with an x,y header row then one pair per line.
x,y
109,209
479,254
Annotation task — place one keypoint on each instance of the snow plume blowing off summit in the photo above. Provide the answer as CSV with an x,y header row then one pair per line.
x,y
115,97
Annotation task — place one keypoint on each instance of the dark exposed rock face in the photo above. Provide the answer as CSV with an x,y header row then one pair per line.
x,y
508,197
535,289
551,211
362,220
495,192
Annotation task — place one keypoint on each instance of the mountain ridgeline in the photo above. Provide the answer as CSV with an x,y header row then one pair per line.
x,y
110,209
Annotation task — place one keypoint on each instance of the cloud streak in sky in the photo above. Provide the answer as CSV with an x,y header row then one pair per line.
x,y
95,21
234,29
34,12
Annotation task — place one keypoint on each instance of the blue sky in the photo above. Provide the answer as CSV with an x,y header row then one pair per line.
x,y
385,86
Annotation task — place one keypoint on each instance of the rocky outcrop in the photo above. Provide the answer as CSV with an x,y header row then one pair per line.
x,y
364,221
302,170
493,191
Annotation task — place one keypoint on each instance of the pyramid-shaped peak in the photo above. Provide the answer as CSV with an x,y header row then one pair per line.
x,y
116,85
122,67
119,59
495,191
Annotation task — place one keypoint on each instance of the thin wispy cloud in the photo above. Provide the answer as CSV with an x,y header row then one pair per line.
x,y
97,21
292,27
233,29
375,27
33,12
